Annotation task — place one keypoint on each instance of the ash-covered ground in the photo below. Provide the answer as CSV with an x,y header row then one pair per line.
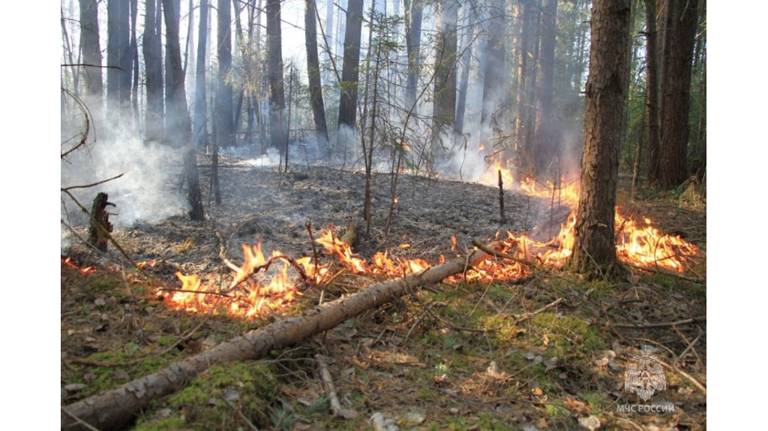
x,y
261,205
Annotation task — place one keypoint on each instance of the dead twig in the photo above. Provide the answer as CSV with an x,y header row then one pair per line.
x,y
314,250
330,389
85,186
660,324
78,420
685,375
527,316
668,273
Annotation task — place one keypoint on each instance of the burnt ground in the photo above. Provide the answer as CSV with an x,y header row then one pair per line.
x,y
457,357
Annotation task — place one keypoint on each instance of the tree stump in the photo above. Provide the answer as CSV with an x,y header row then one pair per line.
x,y
100,227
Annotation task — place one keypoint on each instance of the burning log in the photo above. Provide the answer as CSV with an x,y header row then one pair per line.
x,y
116,407
100,227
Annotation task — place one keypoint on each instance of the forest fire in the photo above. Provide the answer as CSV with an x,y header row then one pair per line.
x,y
262,285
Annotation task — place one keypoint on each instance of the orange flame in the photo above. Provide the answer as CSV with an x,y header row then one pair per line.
x,y
637,243
68,262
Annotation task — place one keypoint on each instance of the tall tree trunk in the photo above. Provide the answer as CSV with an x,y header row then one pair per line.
x,y
493,60
652,91
224,116
329,24
466,60
135,60
444,105
313,71
524,73
89,43
153,66
546,141
350,71
278,134
594,249
200,123
178,115
119,57
676,91
413,46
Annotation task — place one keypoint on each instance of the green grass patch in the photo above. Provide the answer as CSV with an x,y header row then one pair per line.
x,y
565,335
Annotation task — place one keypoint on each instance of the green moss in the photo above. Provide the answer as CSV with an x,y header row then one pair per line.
x,y
203,404
597,400
170,423
500,293
563,335
556,409
103,378
102,281
483,421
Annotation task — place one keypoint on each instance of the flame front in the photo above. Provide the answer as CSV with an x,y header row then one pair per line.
x,y
255,292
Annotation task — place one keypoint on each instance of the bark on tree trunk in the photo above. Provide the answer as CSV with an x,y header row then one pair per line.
x,y
89,43
200,125
413,46
277,132
350,71
178,114
652,91
466,60
676,92
313,71
594,249
546,144
153,65
224,116
115,408
119,56
493,60
444,105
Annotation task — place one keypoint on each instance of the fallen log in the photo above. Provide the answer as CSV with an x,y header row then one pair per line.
x,y
116,407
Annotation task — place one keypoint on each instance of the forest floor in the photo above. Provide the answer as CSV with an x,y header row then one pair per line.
x,y
454,357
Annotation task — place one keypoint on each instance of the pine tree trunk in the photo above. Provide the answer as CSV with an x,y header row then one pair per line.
x,y
466,60
89,43
444,105
350,72
676,92
652,91
119,56
153,66
546,144
594,250
200,125
313,71
277,132
224,116
179,128
413,47
493,60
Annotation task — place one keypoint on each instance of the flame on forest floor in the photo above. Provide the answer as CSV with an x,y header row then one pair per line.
x,y
264,285
85,270
638,243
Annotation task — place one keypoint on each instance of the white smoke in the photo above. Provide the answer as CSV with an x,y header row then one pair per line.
x,y
150,188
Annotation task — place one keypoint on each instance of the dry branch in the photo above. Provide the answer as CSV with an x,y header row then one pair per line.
x,y
116,407
330,389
